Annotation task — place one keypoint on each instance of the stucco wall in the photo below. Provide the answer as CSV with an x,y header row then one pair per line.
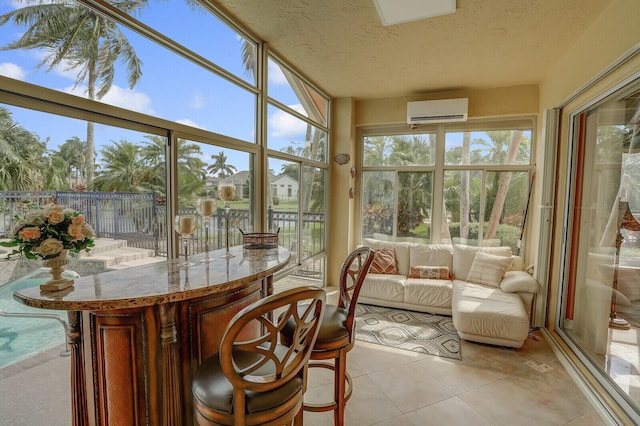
x,y
340,240
502,101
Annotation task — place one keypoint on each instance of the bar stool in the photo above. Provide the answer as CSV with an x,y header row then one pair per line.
x,y
337,332
254,379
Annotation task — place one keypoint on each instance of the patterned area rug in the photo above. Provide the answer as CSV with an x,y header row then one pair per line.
x,y
412,331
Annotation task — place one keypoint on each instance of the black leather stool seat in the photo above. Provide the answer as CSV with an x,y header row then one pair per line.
x,y
213,389
254,379
333,329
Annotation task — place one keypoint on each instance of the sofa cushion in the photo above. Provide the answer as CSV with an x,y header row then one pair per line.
x,y
431,255
384,262
518,282
401,250
433,272
488,269
428,292
487,314
463,257
384,286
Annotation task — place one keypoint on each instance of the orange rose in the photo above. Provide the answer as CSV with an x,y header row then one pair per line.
x,y
77,220
76,232
55,217
50,246
30,233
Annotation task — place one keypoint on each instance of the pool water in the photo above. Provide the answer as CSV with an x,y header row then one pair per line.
x,y
22,338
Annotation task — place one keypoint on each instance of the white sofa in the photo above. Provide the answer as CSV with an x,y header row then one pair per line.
x,y
489,301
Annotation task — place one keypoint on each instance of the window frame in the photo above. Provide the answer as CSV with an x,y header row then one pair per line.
x,y
570,250
42,98
528,123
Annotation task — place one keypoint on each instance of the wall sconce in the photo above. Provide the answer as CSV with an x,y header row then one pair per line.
x,y
342,159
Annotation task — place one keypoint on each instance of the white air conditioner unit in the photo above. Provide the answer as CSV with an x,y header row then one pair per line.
x,y
438,111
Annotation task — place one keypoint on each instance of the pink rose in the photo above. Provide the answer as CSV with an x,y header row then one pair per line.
x,y
30,233
50,246
55,217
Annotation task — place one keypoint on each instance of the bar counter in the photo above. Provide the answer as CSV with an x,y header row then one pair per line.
x,y
137,335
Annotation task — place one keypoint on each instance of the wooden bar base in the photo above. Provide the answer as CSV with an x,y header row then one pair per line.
x,y
137,336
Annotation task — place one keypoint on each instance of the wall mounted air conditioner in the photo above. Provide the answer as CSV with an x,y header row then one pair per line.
x,y
438,111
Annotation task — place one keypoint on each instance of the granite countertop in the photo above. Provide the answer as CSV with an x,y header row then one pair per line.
x,y
162,282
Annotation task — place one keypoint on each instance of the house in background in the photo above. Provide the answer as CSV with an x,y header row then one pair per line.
x,y
241,182
284,187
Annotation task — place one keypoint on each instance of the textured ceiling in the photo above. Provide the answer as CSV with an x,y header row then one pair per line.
x,y
342,46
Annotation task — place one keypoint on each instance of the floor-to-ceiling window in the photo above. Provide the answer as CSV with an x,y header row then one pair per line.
x,y
297,142
599,309
162,99
462,183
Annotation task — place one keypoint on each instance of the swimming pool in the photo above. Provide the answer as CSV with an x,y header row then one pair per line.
x,y
20,337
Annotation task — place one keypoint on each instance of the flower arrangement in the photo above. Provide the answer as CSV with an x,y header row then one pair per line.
x,y
47,230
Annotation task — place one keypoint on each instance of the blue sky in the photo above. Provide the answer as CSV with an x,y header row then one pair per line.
x,y
170,87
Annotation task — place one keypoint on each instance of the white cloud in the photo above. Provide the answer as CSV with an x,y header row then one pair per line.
x,y
275,74
12,70
287,126
189,122
117,96
197,102
19,4
63,69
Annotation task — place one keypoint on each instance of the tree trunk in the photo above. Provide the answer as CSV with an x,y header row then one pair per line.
x,y
90,160
505,179
464,187
306,196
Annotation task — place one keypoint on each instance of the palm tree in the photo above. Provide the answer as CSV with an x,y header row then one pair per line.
x,y
82,40
54,172
503,181
74,153
153,156
465,200
21,154
376,150
220,166
191,171
411,150
122,167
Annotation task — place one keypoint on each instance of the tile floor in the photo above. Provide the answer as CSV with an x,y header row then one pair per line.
x,y
489,386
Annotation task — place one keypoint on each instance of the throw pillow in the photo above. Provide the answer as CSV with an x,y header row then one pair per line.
x,y
433,272
384,262
463,257
488,269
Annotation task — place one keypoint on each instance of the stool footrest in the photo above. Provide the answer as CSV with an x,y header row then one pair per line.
x,y
329,406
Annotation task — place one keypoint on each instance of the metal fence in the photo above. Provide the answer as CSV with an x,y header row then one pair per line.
x,y
137,218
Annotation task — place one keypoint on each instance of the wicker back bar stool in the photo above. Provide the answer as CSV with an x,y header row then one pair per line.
x,y
337,332
254,379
